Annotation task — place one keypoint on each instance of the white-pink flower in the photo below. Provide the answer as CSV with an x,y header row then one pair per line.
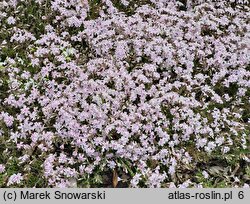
x,y
15,179
2,168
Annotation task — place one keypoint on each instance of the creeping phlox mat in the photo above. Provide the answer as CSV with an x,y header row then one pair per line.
x,y
108,93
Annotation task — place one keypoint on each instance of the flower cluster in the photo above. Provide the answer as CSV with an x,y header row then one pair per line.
x,y
15,179
151,92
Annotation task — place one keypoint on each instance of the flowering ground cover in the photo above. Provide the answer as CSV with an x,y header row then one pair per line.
x,y
102,93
